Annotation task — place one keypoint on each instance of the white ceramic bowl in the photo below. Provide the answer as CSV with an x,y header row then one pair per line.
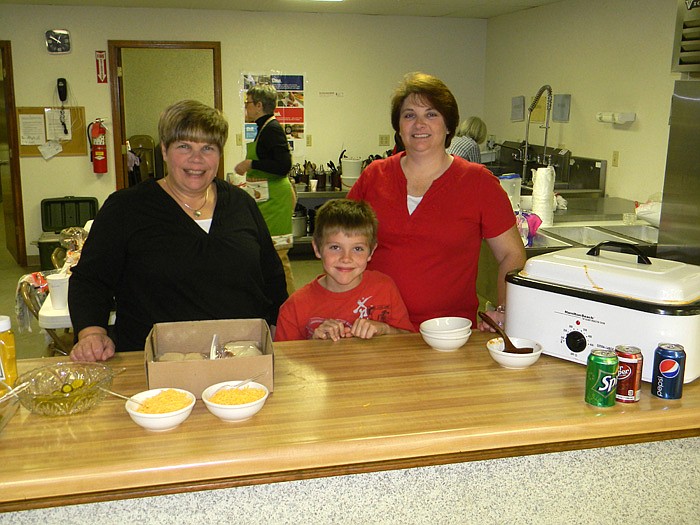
x,y
158,422
446,325
446,343
515,361
234,413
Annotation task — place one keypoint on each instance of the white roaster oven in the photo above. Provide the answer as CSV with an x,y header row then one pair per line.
x,y
575,300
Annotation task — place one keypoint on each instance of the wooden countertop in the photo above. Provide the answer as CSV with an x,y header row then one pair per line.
x,y
338,408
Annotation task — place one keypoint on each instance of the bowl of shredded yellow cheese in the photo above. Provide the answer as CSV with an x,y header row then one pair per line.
x,y
160,409
229,403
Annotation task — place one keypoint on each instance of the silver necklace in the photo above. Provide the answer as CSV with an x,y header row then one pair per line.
x,y
196,212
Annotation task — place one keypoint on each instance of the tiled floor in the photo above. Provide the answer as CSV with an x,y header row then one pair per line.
x,y
33,344
29,344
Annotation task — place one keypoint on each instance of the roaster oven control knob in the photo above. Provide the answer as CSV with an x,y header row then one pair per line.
x,y
576,341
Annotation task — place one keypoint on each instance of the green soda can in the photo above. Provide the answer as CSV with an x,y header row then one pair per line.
x,y
601,378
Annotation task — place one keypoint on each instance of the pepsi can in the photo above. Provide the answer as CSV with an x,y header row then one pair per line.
x,y
668,371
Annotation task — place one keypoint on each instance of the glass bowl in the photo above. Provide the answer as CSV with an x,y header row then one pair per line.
x,y
62,389
8,407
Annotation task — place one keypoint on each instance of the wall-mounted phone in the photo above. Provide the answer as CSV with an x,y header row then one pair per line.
x,y
62,87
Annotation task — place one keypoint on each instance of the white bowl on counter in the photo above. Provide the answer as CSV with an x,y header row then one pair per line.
x,y
446,325
234,413
514,361
446,343
158,422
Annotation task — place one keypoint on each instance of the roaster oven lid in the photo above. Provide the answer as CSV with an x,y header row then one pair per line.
x,y
603,269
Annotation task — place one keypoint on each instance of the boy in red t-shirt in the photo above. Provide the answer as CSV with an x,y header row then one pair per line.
x,y
346,300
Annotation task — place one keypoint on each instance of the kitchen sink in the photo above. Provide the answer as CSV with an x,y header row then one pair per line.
x,y
586,235
540,240
643,232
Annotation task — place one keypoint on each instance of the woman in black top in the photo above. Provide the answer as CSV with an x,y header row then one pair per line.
x,y
186,247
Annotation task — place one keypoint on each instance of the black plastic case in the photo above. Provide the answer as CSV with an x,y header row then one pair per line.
x,y
60,213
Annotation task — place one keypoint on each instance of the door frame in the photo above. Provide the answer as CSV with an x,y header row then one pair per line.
x,y
117,93
12,138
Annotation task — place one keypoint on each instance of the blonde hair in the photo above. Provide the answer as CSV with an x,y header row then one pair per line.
x,y
473,127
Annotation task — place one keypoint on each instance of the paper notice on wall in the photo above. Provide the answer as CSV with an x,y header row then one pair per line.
x,y
31,130
50,149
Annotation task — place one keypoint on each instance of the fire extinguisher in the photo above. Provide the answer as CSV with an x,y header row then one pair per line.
x,y
98,146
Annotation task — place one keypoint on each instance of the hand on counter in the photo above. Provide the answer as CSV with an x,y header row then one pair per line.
x,y
93,345
336,329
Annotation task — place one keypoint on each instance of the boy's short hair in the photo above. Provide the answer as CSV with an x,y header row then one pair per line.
x,y
346,216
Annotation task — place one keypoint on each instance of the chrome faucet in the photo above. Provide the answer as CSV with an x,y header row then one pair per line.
x,y
545,157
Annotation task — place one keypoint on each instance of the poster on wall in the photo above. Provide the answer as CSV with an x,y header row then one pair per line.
x,y
290,106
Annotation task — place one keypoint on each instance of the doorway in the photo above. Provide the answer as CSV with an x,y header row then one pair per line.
x,y
10,180
146,77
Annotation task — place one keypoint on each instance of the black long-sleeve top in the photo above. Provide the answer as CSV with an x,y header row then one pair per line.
x,y
272,148
146,253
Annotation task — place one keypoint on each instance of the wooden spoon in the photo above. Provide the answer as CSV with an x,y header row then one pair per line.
x,y
510,347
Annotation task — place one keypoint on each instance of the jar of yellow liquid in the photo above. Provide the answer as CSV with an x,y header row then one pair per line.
x,y
8,357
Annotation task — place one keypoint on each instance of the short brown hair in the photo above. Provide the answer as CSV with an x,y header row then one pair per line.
x,y
434,91
195,121
345,216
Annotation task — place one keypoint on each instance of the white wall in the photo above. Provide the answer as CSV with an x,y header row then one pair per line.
x,y
362,56
610,56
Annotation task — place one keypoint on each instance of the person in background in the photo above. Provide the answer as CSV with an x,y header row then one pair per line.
x,y
266,166
434,210
468,136
183,248
346,301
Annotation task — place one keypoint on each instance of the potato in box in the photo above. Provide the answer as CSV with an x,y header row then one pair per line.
x,y
195,337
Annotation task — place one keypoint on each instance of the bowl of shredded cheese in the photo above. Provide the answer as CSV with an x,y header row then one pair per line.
x,y
160,409
229,403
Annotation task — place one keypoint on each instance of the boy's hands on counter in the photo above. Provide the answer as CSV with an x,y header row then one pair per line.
x,y
363,328
92,345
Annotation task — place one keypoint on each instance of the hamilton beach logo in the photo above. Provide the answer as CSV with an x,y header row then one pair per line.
x,y
692,4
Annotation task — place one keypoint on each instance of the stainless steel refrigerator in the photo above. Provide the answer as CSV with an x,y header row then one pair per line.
x,y
679,229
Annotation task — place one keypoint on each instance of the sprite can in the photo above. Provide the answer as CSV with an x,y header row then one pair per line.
x,y
601,378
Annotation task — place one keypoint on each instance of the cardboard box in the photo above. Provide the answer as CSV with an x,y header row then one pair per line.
x,y
196,336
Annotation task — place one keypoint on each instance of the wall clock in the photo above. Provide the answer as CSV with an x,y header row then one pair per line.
x,y
58,41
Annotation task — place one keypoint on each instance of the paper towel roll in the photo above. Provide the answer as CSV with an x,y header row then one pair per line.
x,y
543,194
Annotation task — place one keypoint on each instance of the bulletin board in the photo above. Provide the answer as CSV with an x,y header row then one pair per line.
x,y
77,145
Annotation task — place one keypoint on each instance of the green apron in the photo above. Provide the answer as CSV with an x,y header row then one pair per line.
x,y
276,204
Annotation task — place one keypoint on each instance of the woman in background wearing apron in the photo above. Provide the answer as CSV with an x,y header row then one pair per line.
x,y
268,161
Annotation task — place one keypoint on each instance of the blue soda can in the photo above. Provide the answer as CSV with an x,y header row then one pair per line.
x,y
668,371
